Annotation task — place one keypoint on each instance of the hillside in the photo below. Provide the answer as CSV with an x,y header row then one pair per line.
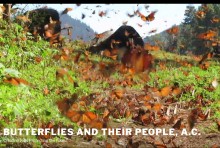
x,y
159,36
80,29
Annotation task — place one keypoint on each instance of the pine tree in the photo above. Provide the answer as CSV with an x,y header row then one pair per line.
x,y
186,37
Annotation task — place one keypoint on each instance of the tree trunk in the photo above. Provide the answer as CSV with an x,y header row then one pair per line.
x,y
7,12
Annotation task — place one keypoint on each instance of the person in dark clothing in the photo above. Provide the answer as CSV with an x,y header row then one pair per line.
x,y
127,45
124,36
46,23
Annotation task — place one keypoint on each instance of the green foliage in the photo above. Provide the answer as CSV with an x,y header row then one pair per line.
x,y
197,79
194,25
27,104
189,15
187,41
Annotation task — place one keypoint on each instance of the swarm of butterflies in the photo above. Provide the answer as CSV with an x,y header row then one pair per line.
x,y
151,106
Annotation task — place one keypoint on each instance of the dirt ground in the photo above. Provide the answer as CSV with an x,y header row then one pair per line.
x,y
206,138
